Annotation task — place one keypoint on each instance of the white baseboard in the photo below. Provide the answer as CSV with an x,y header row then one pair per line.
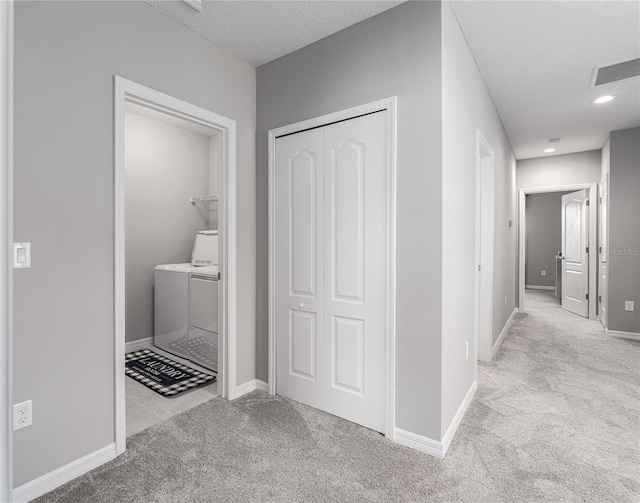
x,y
64,474
632,336
418,442
262,386
138,345
457,419
537,287
432,447
503,334
249,386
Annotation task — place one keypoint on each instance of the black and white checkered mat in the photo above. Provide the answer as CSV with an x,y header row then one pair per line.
x,y
163,375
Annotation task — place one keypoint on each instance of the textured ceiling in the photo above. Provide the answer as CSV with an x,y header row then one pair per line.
x,y
261,31
537,59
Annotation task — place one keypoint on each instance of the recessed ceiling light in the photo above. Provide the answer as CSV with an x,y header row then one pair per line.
x,y
549,150
603,99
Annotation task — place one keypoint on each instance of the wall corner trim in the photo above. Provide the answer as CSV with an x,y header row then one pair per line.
x,y
503,334
457,419
432,447
262,386
632,336
138,344
248,387
64,474
418,442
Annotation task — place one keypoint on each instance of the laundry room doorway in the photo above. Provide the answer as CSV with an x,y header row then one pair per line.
x,y
174,200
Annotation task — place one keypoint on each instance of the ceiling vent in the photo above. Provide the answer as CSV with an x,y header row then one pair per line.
x,y
615,73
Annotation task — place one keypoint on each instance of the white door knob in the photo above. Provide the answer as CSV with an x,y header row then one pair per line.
x,y
301,306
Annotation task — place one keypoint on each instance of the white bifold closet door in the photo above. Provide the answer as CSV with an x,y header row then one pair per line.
x,y
330,246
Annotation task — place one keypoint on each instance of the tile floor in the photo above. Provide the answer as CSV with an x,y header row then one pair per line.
x,y
147,408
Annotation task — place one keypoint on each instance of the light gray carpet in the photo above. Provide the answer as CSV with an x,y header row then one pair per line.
x,y
555,419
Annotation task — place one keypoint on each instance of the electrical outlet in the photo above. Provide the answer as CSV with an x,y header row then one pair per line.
x,y
22,415
466,350
543,273
629,305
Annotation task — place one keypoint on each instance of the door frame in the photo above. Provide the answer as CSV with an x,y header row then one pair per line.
x,y
603,239
390,106
128,91
485,205
592,189
6,247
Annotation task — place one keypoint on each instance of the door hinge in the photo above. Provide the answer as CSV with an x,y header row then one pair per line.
x,y
587,249
600,299
478,267
588,202
600,199
587,296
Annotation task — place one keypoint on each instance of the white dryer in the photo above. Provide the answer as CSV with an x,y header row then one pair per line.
x,y
186,304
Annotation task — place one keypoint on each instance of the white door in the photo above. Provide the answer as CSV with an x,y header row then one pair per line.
x,y
575,263
603,283
330,268
299,263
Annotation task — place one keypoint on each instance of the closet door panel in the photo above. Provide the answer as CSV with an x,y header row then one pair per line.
x,y
299,267
347,221
355,257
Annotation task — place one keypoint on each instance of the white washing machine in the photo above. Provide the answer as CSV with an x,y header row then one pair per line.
x,y
186,304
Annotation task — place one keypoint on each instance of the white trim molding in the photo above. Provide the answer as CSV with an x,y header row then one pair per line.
x,y
539,287
128,91
457,419
503,334
419,443
138,345
484,249
249,386
262,386
64,474
632,336
432,447
6,242
390,106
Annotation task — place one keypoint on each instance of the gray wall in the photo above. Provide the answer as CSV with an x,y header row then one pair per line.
x,y
394,53
624,229
466,107
164,166
559,170
544,237
66,54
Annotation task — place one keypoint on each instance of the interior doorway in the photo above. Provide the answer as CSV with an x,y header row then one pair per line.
x,y
485,214
603,245
171,301
205,169
542,247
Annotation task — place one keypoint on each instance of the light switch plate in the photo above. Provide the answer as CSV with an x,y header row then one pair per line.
x,y
21,255
629,305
